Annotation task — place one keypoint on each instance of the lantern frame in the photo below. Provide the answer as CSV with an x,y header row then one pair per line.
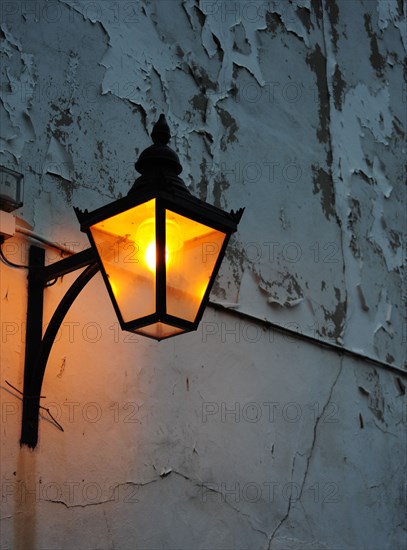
x,y
183,204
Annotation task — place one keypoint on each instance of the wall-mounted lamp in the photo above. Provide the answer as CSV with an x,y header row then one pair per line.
x,y
158,249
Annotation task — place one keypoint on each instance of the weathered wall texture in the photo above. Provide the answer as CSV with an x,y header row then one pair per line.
x,y
236,436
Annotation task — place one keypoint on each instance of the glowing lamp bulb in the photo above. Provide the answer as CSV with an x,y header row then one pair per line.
x,y
150,256
146,240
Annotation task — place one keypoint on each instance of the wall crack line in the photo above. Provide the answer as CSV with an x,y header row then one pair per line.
x,y
317,421
201,484
113,499
309,457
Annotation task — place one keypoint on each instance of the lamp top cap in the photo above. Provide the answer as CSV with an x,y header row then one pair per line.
x,y
158,162
161,132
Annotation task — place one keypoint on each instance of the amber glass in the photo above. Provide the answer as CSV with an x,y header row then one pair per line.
x,y
159,330
126,246
192,252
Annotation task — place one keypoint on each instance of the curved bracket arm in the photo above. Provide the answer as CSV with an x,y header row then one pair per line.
x,y
38,348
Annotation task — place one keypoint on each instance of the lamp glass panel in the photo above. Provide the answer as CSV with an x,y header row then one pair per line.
x,y
159,330
126,243
192,251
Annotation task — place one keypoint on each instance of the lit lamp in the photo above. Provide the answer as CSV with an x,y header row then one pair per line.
x,y
158,249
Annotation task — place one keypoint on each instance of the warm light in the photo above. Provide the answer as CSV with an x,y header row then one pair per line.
x,y
198,256
200,293
157,301
114,287
130,280
127,243
159,248
150,256
145,234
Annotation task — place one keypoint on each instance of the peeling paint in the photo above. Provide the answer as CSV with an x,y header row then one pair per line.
x,y
339,87
394,11
362,298
335,319
374,394
220,185
377,60
296,111
20,75
333,14
323,184
317,61
58,161
230,126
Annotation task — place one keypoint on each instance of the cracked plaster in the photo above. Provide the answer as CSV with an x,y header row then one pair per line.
x,y
270,109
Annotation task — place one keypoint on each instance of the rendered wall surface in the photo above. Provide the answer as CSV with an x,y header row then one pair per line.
x,y
239,435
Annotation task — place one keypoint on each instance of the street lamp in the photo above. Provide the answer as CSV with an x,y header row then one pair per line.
x,y
158,249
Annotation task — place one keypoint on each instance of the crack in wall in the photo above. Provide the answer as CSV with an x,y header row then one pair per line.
x,y
318,419
109,531
201,485
211,125
112,499
308,458
165,474
285,517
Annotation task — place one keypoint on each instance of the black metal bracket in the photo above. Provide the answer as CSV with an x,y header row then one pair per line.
x,y
37,346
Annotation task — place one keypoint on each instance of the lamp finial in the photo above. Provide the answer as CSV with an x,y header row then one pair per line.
x,y
161,131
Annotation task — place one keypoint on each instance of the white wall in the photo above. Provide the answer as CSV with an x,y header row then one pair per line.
x,y
238,435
